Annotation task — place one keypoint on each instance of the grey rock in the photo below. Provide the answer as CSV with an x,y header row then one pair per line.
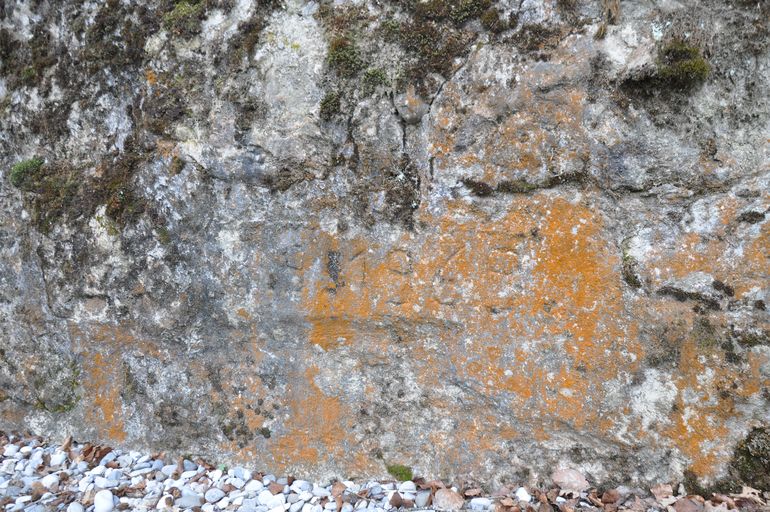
x,y
214,495
196,232
189,501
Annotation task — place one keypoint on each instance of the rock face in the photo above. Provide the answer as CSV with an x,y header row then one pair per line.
x,y
482,239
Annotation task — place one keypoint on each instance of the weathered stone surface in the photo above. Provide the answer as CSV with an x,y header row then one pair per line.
x,y
325,238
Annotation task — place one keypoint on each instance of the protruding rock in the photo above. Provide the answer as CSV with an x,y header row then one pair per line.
x,y
410,106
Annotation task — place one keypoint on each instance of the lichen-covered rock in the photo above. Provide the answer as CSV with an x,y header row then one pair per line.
x,y
482,240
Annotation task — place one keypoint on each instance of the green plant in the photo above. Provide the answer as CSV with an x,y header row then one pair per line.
x,y
23,173
400,472
344,57
372,79
681,64
330,105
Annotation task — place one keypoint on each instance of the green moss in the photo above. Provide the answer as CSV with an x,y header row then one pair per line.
x,y
465,10
344,57
28,75
330,105
434,46
400,472
493,22
751,459
184,18
681,65
372,79
390,29
749,339
163,235
177,165
23,173
516,187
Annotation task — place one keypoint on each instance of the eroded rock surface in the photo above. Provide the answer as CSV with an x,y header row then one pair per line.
x,y
481,239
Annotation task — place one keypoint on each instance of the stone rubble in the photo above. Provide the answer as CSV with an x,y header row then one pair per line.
x,y
38,477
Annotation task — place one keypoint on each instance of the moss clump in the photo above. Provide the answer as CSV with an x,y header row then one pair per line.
x,y
516,187
682,65
372,79
459,11
493,22
23,173
185,18
466,10
751,339
177,165
330,105
751,459
344,57
434,46
400,472
535,37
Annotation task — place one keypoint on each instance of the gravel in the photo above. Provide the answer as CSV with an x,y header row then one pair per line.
x,y
86,478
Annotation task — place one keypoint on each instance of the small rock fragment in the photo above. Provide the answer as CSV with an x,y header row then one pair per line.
x,y
570,479
447,500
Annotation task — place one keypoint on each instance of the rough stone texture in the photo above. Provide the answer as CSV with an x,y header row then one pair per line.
x,y
474,238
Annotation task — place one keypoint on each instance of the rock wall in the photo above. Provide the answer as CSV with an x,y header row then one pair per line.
x,y
479,238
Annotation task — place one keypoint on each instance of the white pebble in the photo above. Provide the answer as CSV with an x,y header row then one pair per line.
x,y
75,507
103,501
58,458
49,481
522,494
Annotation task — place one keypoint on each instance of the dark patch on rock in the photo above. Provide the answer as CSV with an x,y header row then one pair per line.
x,y
683,295
724,288
751,217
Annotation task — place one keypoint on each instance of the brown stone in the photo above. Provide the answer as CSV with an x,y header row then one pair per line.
x,y
688,505
447,499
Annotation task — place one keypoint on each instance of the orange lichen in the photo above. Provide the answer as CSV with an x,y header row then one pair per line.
x,y
151,76
105,392
100,346
316,429
468,269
